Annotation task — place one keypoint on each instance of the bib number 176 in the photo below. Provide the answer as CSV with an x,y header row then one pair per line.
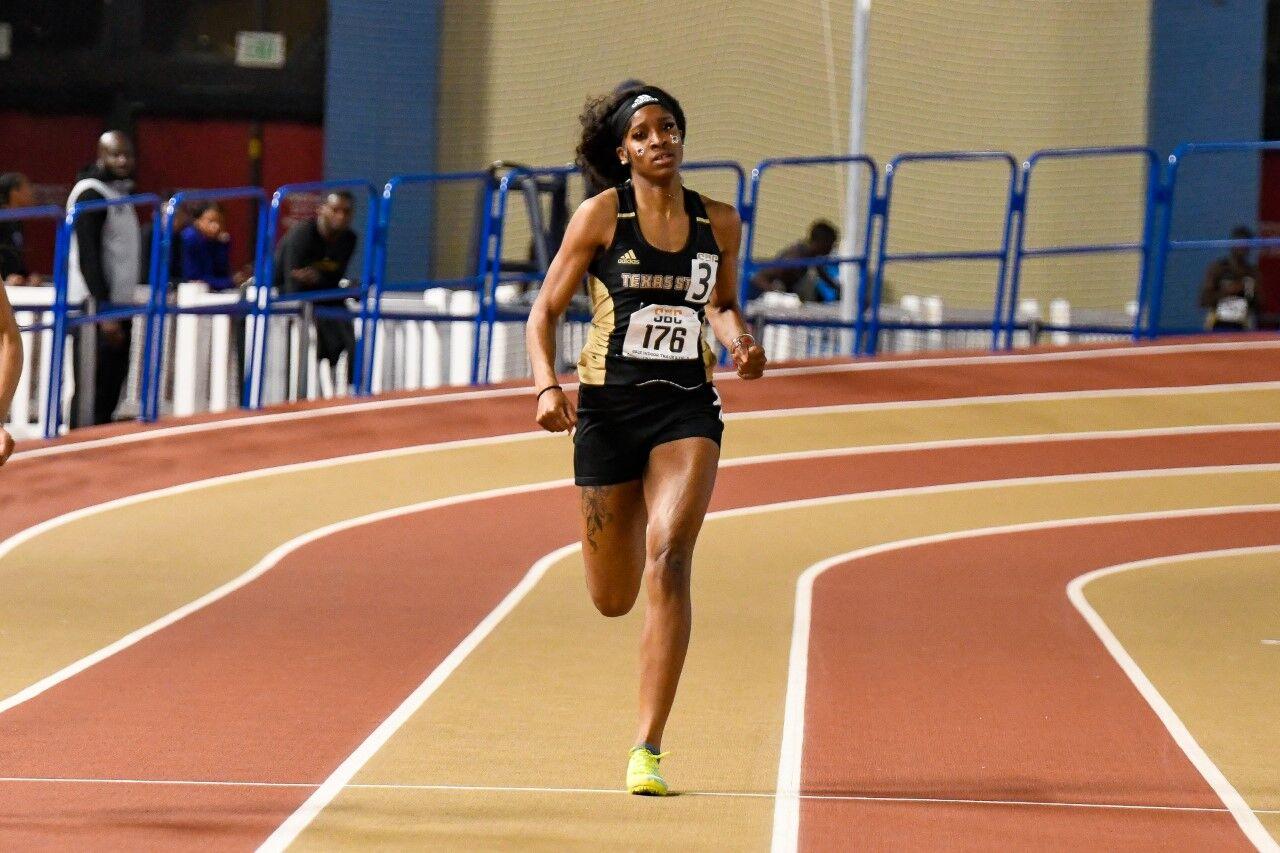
x,y
655,335
662,332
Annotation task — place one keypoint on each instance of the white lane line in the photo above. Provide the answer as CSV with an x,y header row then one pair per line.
x,y
57,521
48,525
287,832
529,789
1247,820
31,532
296,822
786,815
1127,351
261,567
288,547
998,399
998,440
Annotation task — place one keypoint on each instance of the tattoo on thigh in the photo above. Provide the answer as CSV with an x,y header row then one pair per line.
x,y
595,513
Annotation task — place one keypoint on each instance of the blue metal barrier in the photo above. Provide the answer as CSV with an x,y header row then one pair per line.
x,y
1000,256
264,272
158,307
1163,242
48,211
380,284
495,224
749,211
62,321
1143,247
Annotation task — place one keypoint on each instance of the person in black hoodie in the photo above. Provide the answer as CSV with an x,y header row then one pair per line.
x,y
105,267
314,255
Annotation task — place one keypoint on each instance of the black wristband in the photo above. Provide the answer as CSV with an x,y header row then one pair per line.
x,y
545,390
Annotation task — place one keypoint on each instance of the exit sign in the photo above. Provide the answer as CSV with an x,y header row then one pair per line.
x,y
259,50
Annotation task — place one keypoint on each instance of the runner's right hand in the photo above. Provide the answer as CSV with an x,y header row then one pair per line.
x,y
555,412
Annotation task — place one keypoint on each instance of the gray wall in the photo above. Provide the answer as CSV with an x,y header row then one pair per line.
x,y
380,107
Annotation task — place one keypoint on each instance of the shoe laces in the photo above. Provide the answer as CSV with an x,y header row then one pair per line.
x,y
649,759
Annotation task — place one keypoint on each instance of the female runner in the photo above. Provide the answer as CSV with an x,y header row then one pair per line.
x,y
662,261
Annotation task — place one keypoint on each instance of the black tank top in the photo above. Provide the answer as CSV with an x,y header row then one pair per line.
x,y
648,306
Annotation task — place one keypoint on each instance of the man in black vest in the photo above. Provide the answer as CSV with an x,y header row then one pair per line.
x,y
105,267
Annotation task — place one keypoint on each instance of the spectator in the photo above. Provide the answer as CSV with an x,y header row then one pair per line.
x,y
10,369
813,282
15,191
105,267
1229,292
206,250
314,255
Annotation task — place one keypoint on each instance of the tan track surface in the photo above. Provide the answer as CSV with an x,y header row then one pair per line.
x,y
1198,629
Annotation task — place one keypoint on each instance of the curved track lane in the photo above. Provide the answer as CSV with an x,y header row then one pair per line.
x,y
268,670
970,677
164,550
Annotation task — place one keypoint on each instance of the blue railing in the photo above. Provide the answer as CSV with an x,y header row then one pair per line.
x,y
1000,255
380,284
158,307
1143,247
1153,250
862,259
1166,244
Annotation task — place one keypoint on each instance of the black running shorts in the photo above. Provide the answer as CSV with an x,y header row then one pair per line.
x,y
619,425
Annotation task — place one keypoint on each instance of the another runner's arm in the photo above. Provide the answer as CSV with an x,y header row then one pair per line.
x,y
10,367
589,230
723,312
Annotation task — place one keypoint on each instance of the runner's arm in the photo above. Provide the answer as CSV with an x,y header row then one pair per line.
x,y
590,229
10,367
723,312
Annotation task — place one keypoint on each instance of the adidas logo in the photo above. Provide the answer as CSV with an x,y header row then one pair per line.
x,y
629,257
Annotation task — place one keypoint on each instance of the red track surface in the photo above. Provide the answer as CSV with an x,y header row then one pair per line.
x,y
997,690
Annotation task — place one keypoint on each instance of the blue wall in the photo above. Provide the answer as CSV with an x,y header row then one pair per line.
x,y
1207,77
380,105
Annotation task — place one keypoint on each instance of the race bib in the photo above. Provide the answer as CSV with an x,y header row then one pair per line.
x,y
702,278
662,332
1233,309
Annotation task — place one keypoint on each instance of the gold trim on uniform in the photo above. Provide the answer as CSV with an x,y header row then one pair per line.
x,y
595,353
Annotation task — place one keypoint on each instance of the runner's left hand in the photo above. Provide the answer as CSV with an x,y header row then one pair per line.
x,y
750,361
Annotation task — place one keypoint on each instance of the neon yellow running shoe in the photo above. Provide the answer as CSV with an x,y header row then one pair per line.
x,y
643,776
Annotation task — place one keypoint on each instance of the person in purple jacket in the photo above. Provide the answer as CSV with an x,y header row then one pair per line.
x,y
206,249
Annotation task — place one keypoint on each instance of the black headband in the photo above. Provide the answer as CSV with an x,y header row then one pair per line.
x,y
620,118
